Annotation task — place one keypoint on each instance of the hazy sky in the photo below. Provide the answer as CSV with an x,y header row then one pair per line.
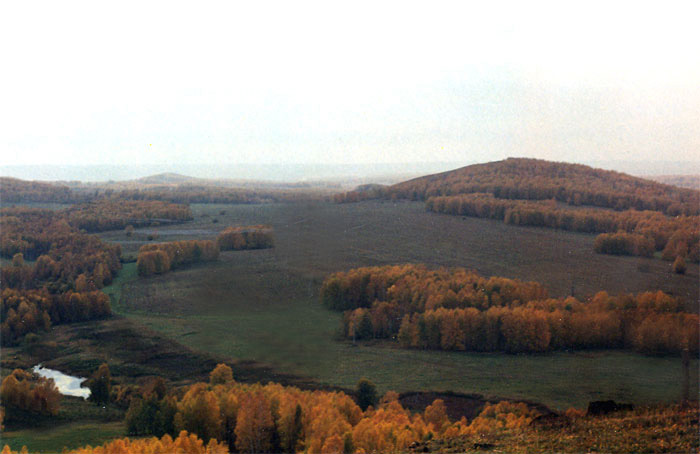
x,y
258,82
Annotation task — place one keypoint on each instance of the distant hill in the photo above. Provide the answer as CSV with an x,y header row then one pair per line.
x,y
682,181
167,178
13,190
534,179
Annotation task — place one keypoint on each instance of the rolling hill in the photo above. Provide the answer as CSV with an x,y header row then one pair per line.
x,y
534,179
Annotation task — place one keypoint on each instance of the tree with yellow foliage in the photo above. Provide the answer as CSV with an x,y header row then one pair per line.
x,y
255,426
199,412
221,374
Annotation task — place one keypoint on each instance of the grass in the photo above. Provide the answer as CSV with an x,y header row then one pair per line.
x,y
263,305
78,423
127,274
71,435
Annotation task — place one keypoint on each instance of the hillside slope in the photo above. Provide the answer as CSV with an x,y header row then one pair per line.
x,y
13,190
534,179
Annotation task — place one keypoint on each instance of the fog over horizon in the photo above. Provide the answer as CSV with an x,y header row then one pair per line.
x,y
303,90
383,173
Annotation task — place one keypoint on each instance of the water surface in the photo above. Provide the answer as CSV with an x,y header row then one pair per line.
x,y
66,384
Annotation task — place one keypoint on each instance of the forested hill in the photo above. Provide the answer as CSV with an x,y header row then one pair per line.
x,y
13,190
534,179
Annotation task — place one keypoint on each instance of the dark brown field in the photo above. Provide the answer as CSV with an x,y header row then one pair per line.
x,y
316,239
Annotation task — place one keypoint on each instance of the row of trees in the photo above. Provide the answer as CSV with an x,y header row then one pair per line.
x,y
659,428
245,237
416,288
160,258
25,395
114,214
460,310
274,418
628,232
532,330
389,428
31,311
214,194
13,190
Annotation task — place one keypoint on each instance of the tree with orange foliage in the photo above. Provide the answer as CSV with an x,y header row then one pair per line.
x,y
199,412
23,393
679,265
254,429
436,415
221,374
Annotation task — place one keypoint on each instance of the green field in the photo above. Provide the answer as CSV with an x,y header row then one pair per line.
x,y
77,424
263,305
72,435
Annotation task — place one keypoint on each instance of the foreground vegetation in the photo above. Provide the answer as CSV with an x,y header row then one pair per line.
x,y
657,429
224,416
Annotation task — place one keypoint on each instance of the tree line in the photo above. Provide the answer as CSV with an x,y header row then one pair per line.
x,y
160,258
13,190
275,418
112,214
31,311
416,288
532,330
514,426
226,416
460,310
628,232
216,194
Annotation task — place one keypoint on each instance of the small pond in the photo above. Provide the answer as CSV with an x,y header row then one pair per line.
x,y
66,384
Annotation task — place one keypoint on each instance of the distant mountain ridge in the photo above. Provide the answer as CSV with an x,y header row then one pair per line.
x,y
682,181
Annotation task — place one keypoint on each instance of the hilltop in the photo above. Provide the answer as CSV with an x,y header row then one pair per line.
x,y
535,179
167,178
14,190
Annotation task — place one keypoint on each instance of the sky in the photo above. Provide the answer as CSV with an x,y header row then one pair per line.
x,y
155,83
